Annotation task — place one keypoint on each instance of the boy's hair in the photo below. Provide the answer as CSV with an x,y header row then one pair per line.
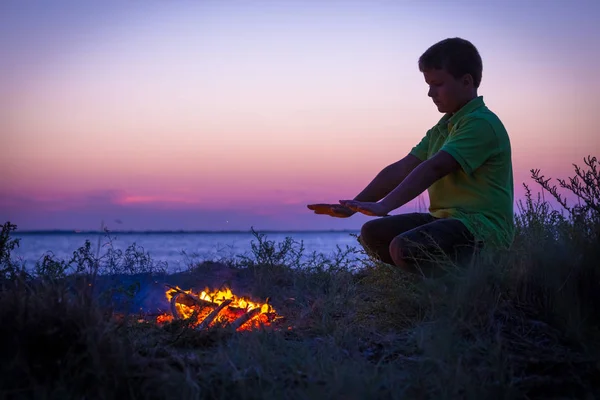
x,y
455,55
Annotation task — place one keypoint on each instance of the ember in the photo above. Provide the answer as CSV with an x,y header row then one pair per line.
x,y
219,306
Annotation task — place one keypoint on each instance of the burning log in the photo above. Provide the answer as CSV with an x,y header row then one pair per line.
x,y
245,318
206,322
189,301
181,297
206,306
188,298
174,310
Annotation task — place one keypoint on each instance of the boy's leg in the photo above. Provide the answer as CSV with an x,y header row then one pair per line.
x,y
377,234
446,237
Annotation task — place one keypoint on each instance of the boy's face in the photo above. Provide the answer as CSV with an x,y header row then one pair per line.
x,y
448,93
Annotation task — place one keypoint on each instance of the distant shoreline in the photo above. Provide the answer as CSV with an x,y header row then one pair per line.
x,y
163,232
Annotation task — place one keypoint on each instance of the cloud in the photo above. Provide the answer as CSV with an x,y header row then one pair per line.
x,y
121,211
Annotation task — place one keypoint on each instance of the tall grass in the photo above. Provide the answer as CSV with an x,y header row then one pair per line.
x,y
520,323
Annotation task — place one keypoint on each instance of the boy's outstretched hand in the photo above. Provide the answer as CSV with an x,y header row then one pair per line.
x,y
333,210
366,207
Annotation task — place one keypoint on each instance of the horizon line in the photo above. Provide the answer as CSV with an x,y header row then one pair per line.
x,y
163,231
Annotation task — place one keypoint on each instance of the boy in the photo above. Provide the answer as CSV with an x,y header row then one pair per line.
x,y
464,162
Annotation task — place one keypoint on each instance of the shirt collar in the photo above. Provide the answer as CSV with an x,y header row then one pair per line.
x,y
451,119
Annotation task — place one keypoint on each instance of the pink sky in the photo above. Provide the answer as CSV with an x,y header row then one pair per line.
x,y
226,115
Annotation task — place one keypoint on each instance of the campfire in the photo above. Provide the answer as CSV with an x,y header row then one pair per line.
x,y
217,307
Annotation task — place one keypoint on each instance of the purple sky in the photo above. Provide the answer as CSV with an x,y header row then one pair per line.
x,y
221,115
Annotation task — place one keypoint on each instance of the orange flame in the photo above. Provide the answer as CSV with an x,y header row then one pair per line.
x,y
262,314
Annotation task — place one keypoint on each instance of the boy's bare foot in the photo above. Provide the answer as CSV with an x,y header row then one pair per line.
x,y
333,210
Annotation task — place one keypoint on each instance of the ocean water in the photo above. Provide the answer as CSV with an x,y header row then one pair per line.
x,y
178,250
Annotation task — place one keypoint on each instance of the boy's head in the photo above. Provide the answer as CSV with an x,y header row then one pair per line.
x,y
452,69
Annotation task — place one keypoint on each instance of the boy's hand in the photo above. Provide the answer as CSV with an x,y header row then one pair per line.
x,y
366,207
333,210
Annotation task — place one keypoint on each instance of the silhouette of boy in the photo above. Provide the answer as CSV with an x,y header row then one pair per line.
x,y
464,162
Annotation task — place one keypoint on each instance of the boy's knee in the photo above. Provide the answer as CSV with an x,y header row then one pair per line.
x,y
401,252
368,232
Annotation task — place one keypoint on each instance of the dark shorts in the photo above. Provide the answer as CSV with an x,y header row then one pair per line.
x,y
408,239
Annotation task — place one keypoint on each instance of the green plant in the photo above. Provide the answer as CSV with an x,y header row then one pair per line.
x,y
585,186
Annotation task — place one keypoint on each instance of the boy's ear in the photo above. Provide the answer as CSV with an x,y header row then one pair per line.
x,y
467,79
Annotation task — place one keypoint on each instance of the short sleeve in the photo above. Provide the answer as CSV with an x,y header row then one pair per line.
x,y
472,144
421,151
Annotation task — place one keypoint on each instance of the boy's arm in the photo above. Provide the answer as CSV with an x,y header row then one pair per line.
x,y
388,178
385,181
467,149
419,180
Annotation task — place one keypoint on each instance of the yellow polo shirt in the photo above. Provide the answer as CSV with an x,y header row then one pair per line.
x,y
481,193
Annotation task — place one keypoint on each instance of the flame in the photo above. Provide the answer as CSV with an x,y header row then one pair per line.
x,y
262,314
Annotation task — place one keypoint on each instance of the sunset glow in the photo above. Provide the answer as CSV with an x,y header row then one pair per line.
x,y
218,115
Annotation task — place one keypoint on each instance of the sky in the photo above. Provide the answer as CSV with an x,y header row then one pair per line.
x,y
227,115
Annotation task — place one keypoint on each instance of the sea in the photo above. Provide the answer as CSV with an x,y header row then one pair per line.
x,y
176,251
